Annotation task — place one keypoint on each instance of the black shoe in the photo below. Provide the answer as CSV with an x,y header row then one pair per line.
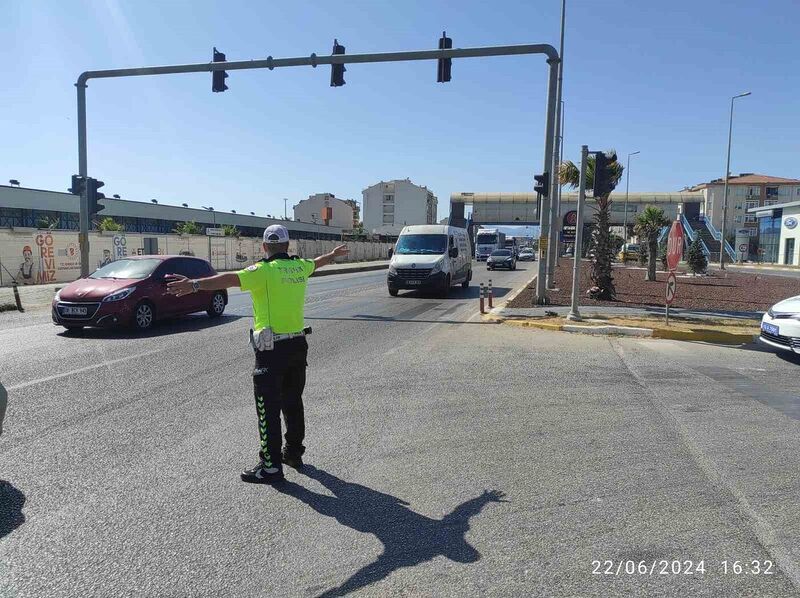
x,y
261,474
292,459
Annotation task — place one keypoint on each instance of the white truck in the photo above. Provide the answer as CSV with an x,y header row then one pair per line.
x,y
488,240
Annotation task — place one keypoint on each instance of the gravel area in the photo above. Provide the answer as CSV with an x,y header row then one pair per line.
x,y
729,291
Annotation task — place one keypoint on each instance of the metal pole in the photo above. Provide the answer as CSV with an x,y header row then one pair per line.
x,y
725,195
83,217
725,190
544,210
284,207
574,314
627,186
552,255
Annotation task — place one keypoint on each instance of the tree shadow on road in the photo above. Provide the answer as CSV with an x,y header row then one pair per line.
x,y
11,503
408,538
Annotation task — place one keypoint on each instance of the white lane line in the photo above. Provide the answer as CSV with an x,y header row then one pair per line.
x,y
84,369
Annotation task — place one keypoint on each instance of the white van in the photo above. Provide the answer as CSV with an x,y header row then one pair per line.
x,y
431,257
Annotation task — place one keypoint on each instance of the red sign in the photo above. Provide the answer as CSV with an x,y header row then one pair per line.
x,y
672,287
674,245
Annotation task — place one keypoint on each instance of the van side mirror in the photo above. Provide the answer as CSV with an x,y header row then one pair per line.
x,y
391,252
454,252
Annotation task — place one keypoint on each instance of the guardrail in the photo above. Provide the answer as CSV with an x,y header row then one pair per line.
x,y
662,235
693,234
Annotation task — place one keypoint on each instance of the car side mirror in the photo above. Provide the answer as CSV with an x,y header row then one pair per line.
x,y
454,252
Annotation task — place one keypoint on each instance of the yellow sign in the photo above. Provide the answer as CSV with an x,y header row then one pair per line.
x,y
542,246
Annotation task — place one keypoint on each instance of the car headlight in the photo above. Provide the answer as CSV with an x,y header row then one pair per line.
x,y
392,269
770,313
437,267
119,295
57,298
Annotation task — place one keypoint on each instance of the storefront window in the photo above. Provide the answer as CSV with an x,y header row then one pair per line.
x,y
769,234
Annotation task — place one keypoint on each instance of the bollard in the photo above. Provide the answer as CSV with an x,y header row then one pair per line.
x,y
489,290
16,296
483,311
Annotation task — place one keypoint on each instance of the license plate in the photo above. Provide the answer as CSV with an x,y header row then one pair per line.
x,y
69,310
769,328
413,282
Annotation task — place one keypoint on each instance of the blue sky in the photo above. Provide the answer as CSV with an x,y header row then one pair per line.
x,y
639,75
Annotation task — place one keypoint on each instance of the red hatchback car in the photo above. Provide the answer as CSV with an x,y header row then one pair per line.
x,y
132,291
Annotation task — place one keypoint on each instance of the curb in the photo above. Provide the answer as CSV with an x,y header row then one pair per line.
x,y
705,336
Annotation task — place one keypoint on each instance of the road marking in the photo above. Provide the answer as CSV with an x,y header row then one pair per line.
x,y
83,369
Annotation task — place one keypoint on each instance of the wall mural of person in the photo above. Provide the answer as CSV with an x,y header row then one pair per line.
x,y
27,269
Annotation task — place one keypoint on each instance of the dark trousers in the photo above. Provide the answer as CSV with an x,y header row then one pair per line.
x,y
278,382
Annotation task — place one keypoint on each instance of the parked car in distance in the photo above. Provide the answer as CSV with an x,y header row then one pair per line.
x,y
526,254
629,251
780,326
501,258
132,291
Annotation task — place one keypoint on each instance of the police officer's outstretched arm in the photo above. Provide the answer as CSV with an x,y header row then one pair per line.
x,y
328,258
181,285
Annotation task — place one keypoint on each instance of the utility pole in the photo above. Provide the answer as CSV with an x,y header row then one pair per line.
x,y
552,250
725,190
627,185
284,207
574,314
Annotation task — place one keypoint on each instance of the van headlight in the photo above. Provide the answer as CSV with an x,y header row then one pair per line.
x,y
392,269
437,267
119,295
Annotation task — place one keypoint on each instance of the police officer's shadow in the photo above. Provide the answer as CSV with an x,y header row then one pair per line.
x,y
408,538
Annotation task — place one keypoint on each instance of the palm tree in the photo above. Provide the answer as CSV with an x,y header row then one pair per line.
x,y
648,226
601,250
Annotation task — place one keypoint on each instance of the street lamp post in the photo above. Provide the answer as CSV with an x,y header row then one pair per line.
x,y
214,217
284,207
725,190
627,185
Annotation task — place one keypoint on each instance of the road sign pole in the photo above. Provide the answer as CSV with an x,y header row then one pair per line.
x,y
574,314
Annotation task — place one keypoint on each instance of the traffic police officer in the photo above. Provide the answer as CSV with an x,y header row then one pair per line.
x,y
277,285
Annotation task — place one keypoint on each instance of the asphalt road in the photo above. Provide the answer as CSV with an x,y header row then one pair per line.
x,y
447,457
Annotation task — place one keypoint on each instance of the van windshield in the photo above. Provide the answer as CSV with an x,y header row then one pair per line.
x,y
421,244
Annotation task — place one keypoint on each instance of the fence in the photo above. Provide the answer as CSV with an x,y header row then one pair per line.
x,y
32,256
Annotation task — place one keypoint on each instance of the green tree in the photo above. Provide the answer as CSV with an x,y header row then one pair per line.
x,y
46,222
695,258
189,228
230,230
648,226
601,248
108,224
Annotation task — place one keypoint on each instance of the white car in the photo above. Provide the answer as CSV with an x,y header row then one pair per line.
x,y
780,326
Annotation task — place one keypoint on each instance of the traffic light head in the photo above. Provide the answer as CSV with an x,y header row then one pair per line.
x,y
218,77
602,180
444,64
78,185
542,186
95,197
337,70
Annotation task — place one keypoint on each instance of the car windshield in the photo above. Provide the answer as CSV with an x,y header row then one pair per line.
x,y
501,253
135,269
421,244
487,239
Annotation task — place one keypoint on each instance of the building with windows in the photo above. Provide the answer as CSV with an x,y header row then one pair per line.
x,y
746,192
22,207
311,210
391,205
778,232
